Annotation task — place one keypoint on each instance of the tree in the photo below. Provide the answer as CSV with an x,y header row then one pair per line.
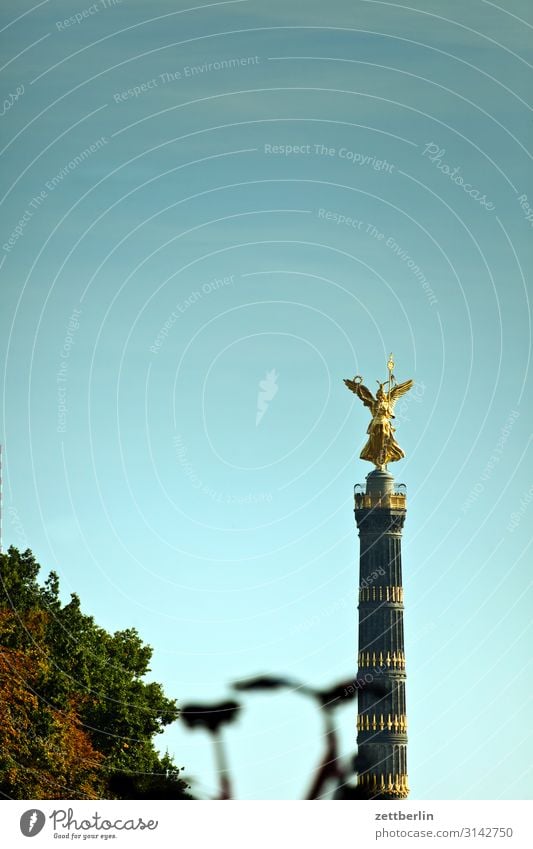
x,y
44,752
78,717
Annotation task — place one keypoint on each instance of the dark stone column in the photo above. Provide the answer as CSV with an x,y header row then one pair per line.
x,y
382,716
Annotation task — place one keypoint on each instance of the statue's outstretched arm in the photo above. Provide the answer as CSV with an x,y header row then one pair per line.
x,y
361,391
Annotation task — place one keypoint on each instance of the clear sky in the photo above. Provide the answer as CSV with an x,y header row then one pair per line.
x,y
211,215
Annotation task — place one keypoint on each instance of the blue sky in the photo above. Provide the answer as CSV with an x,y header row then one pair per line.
x,y
189,237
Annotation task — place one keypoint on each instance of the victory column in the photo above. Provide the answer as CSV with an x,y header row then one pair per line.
x,y
380,513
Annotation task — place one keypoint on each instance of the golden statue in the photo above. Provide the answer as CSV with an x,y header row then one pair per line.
x,y
381,447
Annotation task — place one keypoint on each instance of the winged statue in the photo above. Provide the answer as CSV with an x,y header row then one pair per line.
x,y
381,447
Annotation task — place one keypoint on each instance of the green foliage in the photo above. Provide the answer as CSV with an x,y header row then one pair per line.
x,y
89,680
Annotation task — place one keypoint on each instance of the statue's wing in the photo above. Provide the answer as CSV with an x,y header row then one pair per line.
x,y
362,391
399,390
